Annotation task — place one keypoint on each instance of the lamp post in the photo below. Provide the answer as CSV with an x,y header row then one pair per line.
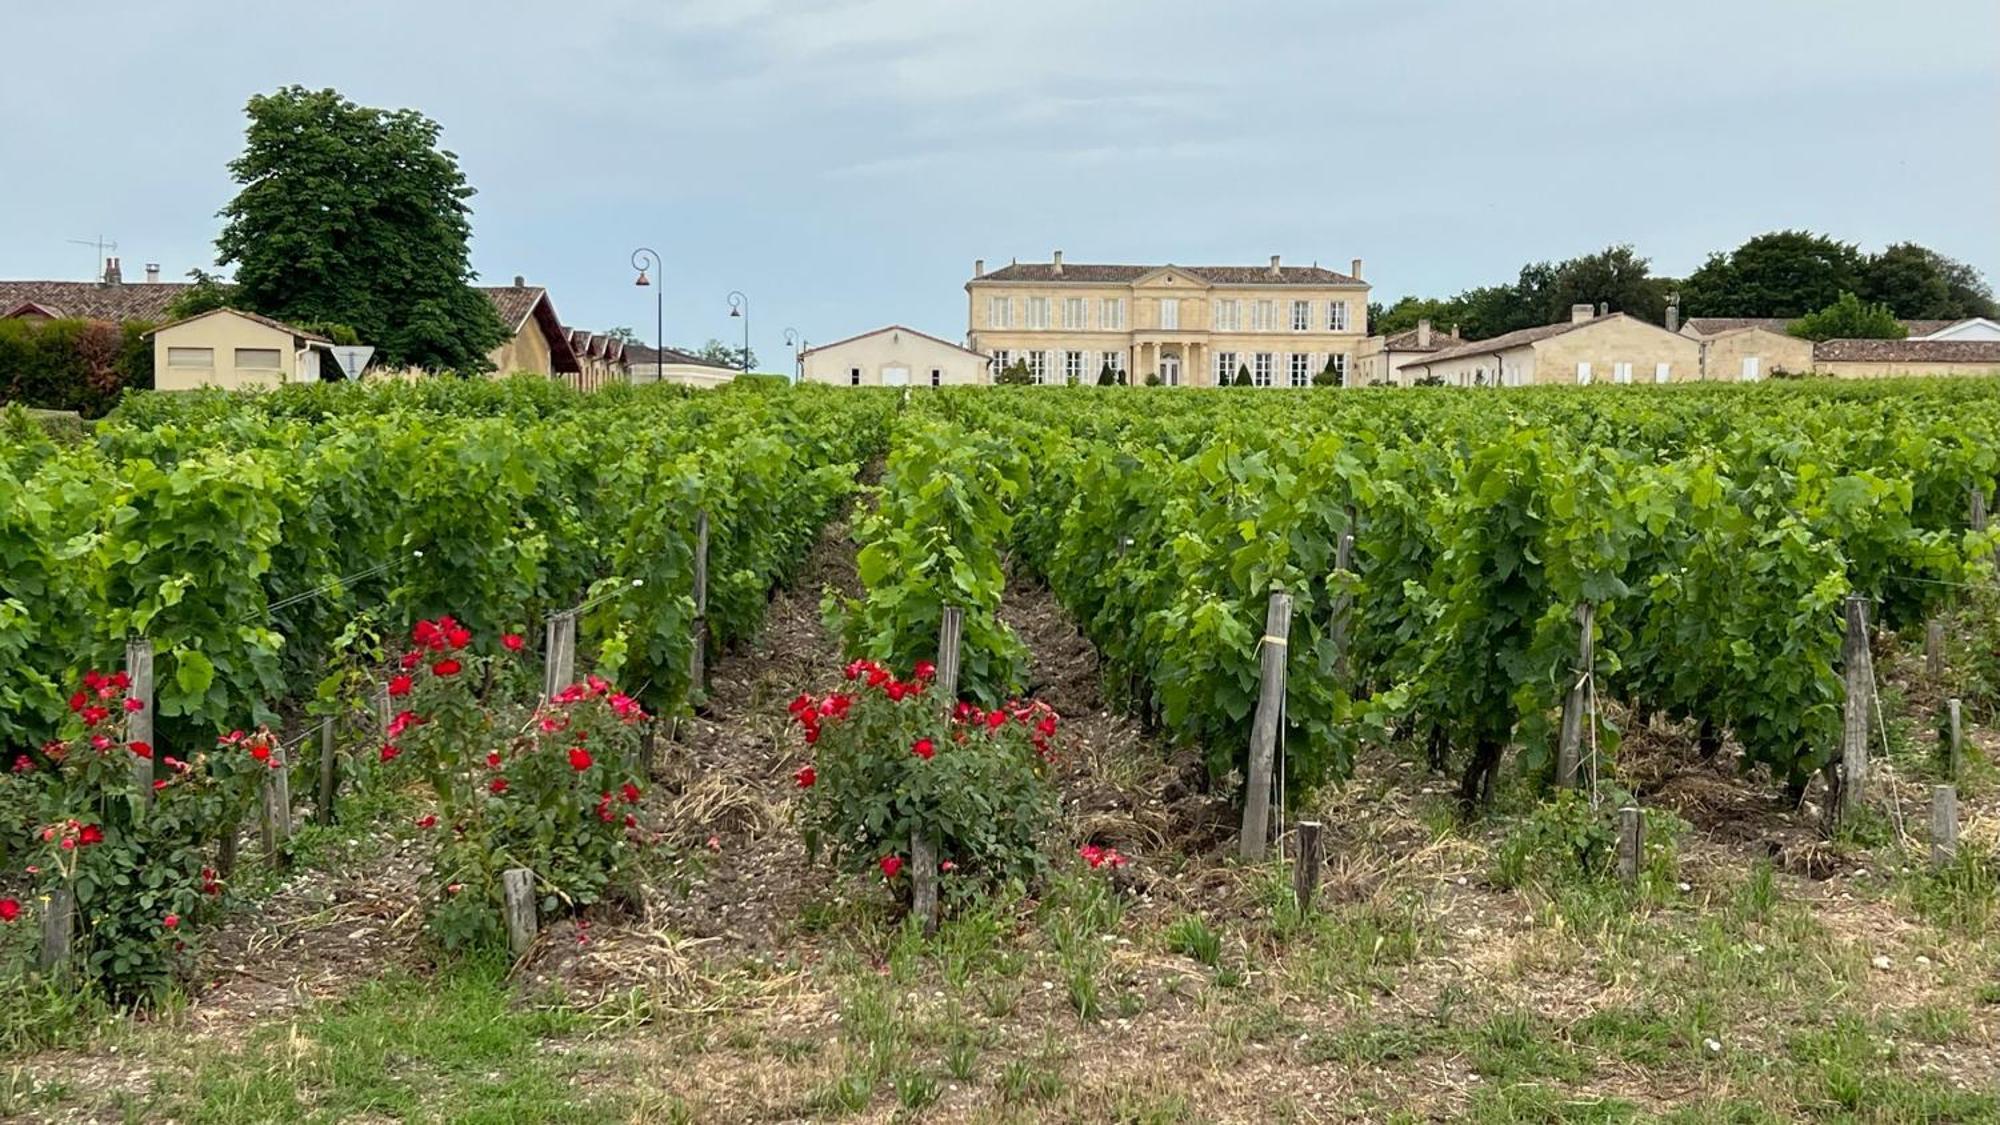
x,y
739,305
797,343
639,259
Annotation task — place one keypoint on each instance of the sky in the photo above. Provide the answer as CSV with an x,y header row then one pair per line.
x,y
843,162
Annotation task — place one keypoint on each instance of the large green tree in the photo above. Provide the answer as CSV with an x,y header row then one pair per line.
x,y
1917,282
1850,318
1616,277
1785,273
355,216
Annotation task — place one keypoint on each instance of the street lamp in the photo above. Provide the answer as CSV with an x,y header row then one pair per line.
x,y
739,305
639,259
797,343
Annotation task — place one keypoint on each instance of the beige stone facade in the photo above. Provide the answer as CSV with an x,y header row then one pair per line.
x,y
895,356
237,350
1184,325
1381,360
537,343
1745,355
1587,349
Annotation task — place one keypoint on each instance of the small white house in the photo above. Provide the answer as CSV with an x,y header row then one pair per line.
x,y
233,349
895,356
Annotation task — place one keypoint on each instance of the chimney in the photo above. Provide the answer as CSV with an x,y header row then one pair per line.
x,y
1603,307
152,273
1580,313
1424,333
1673,318
1354,270
1058,264
978,267
520,282
111,275
1274,266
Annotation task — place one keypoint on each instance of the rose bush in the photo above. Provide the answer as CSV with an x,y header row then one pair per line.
x,y
889,759
554,789
139,870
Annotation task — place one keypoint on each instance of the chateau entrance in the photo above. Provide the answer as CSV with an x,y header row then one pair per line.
x,y
1170,370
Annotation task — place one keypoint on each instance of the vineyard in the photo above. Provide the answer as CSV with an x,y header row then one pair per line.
x,y
762,748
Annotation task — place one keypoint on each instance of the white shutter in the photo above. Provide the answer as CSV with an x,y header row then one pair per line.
x,y
1750,373
1662,372
1583,374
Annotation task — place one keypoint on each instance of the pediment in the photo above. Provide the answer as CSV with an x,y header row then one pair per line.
x,y
1169,277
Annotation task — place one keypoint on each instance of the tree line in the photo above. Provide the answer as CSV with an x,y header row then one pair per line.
x,y
1789,274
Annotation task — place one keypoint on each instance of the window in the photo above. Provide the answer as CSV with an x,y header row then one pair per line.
x,y
1001,359
937,377
1750,371
1301,369
1263,316
1229,315
1663,372
1038,312
1114,360
190,357
1038,366
1302,316
1260,369
1074,313
1336,316
1111,313
999,312
1170,313
1225,368
1583,374
1339,370
259,359
1621,373
854,376
1072,367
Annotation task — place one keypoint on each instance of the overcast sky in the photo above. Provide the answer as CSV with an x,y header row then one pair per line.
x,y
843,162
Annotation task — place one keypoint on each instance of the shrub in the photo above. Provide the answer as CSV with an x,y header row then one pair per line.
x,y
554,791
1849,318
887,762
142,873
1243,375
1015,374
80,365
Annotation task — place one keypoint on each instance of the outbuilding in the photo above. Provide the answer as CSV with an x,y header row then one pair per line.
x,y
232,349
895,356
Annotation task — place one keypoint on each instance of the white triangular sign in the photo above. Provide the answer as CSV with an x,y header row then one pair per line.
x,y
352,359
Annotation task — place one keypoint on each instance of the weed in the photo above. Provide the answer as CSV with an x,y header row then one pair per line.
x,y
916,1089
1961,895
1191,936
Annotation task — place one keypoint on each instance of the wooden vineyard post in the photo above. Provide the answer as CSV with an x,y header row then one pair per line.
x,y
277,794
1944,824
1631,843
1272,650
559,660
139,724
383,710
924,879
329,771
517,891
698,655
1569,749
1305,873
1343,604
1934,650
1859,682
58,929
1955,738
951,626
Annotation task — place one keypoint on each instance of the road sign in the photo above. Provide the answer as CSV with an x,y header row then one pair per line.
x,y
352,360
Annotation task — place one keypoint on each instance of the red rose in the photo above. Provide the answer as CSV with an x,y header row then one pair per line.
x,y
142,749
513,642
159,784
411,659
493,760
892,865
630,792
876,676
429,821
924,748
498,785
458,637
855,669
447,668
897,690
399,686
390,750
79,701
171,921
261,752
135,705
579,758
91,834
924,670
806,776
403,721
10,909
23,763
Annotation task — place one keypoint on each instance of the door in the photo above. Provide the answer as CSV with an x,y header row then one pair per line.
x,y
895,376
1170,370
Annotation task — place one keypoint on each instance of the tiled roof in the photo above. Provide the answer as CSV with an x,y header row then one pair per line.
x,y
1515,339
1406,341
256,318
639,355
1088,273
513,302
1908,351
94,300
1716,325
893,328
